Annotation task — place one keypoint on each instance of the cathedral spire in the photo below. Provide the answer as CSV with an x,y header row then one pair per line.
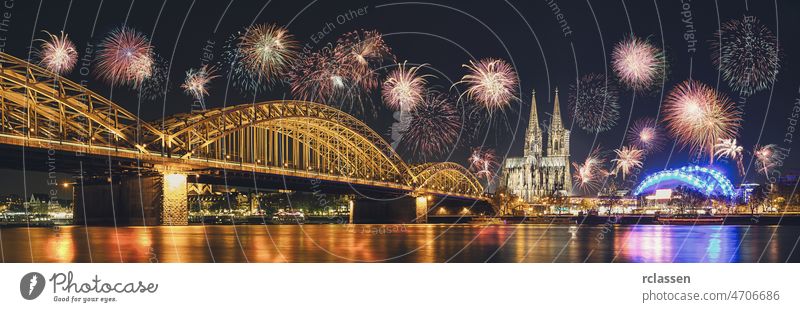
x,y
556,138
555,123
533,135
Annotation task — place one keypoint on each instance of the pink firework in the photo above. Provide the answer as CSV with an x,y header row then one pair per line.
x,y
403,88
639,65
767,157
483,162
589,174
628,158
58,54
321,76
729,149
646,135
125,57
698,116
434,126
491,83
365,52
197,80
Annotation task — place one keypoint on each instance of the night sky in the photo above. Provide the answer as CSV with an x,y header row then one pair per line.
x,y
445,35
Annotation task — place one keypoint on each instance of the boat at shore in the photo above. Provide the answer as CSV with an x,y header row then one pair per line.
x,y
487,221
289,217
689,219
550,219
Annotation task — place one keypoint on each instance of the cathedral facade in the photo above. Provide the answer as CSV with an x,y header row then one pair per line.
x,y
540,172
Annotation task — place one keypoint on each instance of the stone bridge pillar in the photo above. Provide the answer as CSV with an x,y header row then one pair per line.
x,y
175,201
422,205
155,198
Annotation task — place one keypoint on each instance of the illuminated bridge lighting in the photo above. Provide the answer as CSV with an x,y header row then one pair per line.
x,y
282,137
710,182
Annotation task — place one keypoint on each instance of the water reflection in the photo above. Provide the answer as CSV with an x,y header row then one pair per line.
x,y
408,243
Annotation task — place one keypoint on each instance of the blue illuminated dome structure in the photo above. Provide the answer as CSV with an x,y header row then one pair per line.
x,y
710,182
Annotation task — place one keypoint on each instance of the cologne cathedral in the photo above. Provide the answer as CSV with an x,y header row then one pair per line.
x,y
540,172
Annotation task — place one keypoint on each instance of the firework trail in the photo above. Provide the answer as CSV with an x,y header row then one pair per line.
x,y
628,158
248,82
491,83
403,88
365,52
125,58
58,54
342,74
399,126
156,85
638,64
728,148
483,162
589,174
746,53
267,51
698,117
196,82
645,134
433,127
594,103
323,76
767,157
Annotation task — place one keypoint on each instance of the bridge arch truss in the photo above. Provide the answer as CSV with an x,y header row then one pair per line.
x,y
287,136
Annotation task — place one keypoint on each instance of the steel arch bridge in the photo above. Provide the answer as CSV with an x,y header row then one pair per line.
x,y
295,138
446,177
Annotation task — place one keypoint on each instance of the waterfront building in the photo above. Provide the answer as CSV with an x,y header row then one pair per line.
x,y
540,172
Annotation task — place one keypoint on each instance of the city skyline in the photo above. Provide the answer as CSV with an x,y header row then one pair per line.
x,y
363,131
556,33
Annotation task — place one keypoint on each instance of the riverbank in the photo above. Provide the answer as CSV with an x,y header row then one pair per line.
x,y
737,219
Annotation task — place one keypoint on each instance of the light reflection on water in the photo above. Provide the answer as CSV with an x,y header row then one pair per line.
x,y
409,243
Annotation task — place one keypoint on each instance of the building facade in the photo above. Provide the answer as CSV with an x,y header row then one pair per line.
x,y
540,171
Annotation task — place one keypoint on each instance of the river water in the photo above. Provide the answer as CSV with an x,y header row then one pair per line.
x,y
402,243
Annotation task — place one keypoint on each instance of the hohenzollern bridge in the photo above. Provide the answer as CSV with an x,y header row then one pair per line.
x,y
137,172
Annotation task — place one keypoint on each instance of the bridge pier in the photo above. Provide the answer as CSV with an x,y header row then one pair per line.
x,y
150,199
422,206
406,209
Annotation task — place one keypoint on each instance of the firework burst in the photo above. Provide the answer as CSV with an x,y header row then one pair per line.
x,y
365,52
323,76
594,103
267,50
238,73
156,85
639,65
125,57
698,117
483,162
728,148
767,157
646,135
628,158
589,174
433,127
342,74
403,88
196,82
58,54
746,53
490,83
